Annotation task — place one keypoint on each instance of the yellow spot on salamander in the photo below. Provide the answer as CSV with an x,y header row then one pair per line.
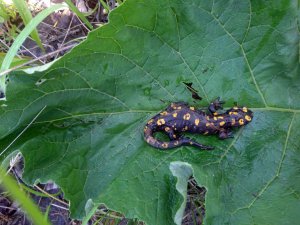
x,y
185,128
215,118
234,113
187,116
174,115
207,124
235,108
192,108
150,140
220,117
164,145
197,121
245,109
215,113
173,105
167,129
164,113
241,122
222,123
150,121
160,122
248,118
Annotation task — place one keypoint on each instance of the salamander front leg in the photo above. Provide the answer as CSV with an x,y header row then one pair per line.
x,y
224,134
215,106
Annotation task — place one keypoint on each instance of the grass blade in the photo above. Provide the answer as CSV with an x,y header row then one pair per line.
x,y
79,14
26,17
104,4
17,194
16,60
21,38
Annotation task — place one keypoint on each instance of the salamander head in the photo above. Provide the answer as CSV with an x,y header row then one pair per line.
x,y
239,116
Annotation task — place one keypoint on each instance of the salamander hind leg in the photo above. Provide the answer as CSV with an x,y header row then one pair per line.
x,y
224,134
183,141
187,141
175,141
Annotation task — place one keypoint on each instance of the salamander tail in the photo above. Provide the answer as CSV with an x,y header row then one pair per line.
x,y
164,145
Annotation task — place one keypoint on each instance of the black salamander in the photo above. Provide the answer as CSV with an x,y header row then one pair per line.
x,y
179,117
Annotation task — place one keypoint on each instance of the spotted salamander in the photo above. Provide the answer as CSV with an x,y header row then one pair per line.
x,y
179,117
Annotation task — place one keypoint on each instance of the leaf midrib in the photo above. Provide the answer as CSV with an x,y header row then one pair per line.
x,y
276,109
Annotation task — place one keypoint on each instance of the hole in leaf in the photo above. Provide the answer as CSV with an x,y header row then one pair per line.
x,y
39,82
195,206
193,91
2,95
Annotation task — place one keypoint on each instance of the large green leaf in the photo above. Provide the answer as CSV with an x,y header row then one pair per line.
x,y
94,102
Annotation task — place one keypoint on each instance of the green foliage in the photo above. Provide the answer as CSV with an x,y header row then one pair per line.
x,y
15,61
88,138
9,57
6,11
17,194
27,17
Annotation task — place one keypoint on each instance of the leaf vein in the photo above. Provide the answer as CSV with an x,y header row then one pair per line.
x,y
268,184
179,55
243,52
